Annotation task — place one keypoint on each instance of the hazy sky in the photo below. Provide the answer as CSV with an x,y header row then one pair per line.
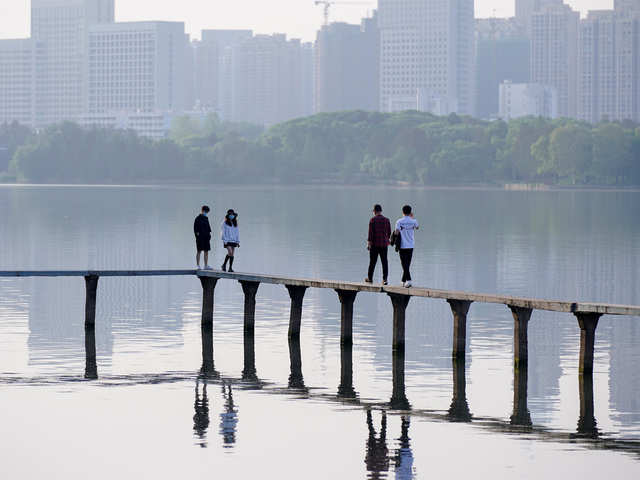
x,y
297,18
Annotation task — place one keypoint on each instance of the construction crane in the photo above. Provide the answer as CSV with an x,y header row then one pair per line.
x,y
327,4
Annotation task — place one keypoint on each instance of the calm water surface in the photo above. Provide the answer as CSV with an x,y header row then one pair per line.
x,y
152,413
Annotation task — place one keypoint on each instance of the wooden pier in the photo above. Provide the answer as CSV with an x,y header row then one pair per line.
x,y
586,314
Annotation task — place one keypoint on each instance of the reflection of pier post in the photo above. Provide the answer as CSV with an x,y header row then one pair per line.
x,y
460,308
459,409
296,293
347,297
345,389
521,415
399,399
91,364
208,368
295,357
587,424
208,289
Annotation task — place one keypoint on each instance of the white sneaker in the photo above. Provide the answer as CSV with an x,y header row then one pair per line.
x,y
407,284
208,267
198,267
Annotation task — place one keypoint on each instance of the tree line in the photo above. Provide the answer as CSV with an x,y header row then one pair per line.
x,y
348,147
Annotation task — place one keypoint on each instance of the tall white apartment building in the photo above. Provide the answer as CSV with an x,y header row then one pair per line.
x,y
136,67
427,50
554,53
61,26
609,65
527,99
526,8
18,60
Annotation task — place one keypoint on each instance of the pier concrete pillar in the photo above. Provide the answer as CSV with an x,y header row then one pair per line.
x,y
399,303
587,424
296,380
347,297
249,373
521,318
588,323
208,367
460,308
91,364
91,286
250,289
521,415
345,389
459,408
208,289
399,398
296,293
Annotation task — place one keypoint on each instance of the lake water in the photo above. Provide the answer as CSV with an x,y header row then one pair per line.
x,y
150,413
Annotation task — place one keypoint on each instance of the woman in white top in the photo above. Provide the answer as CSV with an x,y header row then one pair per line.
x,y
230,237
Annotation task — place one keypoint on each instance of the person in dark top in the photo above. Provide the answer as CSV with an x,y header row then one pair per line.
x,y
202,231
377,453
378,243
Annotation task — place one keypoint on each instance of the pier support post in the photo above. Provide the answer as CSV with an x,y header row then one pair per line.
x,y
399,303
296,380
521,415
587,424
399,398
91,364
588,323
208,367
345,389
460,308
250,289
521,318
296,293
347,297
249,373
91,285
459,408
208,289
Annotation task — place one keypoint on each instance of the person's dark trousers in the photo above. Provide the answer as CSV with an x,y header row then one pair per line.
x,y
373,259
405,258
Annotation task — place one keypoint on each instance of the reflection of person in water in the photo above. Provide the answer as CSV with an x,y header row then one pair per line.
x,y
404,454
228,418
201,417
377,457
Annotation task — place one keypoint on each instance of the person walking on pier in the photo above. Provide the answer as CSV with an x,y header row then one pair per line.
x,y
378,243
405,228
230,238
202,231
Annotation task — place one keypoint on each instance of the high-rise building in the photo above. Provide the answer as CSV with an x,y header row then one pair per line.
x,y
527,99
211,84
609,66
61,26
502,54
136,67
271,79
626,5
526,8
347,66
18,60
427,55
554,52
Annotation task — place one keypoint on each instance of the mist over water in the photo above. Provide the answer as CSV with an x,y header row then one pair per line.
x,y
151,410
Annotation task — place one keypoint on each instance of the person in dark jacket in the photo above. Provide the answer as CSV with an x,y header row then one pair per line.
x,y
202,231
378,243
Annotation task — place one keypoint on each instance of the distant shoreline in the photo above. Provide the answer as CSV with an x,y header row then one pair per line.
x,y
510,187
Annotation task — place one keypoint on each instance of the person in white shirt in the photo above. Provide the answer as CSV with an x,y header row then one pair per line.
x,y
230,237
405,228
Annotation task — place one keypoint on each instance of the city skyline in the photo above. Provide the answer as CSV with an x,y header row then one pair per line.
x,y
302,21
